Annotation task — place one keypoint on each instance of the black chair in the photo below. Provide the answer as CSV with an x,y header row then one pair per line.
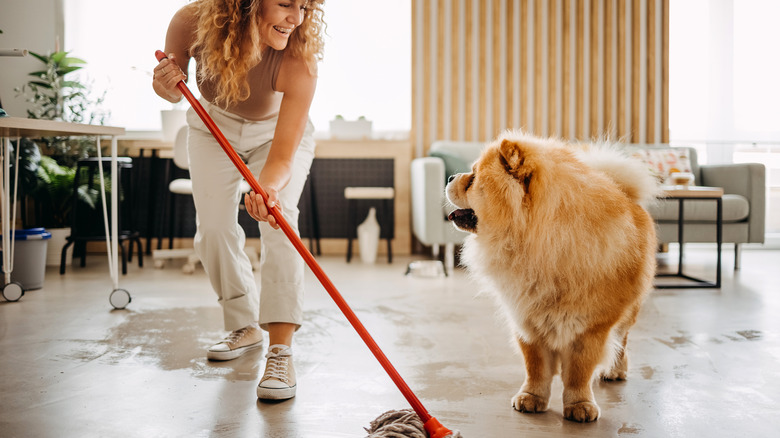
x,y
87,224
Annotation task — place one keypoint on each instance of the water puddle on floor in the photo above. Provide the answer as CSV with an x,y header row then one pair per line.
x,y
169,339
175,339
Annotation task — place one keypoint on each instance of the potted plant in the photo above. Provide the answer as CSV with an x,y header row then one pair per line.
x,y
54,94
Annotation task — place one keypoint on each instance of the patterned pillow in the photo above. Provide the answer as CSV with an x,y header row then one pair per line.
x,y
665,161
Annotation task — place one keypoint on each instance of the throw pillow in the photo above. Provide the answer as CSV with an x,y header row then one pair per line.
x,y
665,161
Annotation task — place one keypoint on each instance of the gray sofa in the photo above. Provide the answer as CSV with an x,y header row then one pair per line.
x,y
744,201
744,205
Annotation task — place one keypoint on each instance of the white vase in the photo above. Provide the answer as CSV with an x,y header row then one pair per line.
x,y
368,237
54,249
172,121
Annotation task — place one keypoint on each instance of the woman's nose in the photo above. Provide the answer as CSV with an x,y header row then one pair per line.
x,y
296,17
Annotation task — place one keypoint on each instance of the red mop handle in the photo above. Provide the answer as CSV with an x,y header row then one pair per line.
x,y
438,429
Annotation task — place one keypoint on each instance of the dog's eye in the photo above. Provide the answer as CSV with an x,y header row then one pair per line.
x,y
469,182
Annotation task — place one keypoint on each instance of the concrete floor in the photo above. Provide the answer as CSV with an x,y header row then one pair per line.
x,y
703,362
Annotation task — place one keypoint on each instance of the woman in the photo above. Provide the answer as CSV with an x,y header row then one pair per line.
x,y
256,71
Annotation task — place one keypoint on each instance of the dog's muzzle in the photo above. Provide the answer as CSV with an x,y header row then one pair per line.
x,y
465,219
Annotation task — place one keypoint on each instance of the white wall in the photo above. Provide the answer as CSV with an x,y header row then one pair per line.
x,y
27,24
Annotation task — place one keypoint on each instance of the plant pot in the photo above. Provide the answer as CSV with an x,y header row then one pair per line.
x,y
54,250
350,129
172,121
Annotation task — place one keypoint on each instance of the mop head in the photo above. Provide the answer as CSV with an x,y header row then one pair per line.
x,y
400,424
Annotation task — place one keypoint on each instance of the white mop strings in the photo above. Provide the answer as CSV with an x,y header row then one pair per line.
x,y
400,424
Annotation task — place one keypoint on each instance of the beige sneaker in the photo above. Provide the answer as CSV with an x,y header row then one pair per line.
x,y
237,343
278,382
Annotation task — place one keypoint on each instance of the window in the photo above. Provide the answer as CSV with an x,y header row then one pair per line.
x,y
723,89
366,69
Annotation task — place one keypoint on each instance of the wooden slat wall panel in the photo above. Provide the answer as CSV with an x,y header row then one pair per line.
x,y
577,69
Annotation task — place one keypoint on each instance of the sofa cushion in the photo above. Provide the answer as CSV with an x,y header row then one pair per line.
x,y
665,161
735,209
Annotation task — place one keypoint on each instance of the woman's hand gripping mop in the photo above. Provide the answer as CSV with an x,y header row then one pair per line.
x,y
432,426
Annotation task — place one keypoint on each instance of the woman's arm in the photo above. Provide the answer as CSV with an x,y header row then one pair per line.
x,y
298,85
169,71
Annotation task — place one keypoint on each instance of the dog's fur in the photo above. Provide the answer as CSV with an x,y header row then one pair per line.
x,y
563,242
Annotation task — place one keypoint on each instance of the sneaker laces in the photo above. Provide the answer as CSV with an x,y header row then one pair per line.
x,y
276,368
236,335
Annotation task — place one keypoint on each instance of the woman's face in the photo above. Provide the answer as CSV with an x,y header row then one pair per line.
x,y
278,19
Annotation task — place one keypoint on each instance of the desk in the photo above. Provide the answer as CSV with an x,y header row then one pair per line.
x,y
681,194
17,127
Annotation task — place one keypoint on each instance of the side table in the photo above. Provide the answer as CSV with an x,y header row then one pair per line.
x,y
681,194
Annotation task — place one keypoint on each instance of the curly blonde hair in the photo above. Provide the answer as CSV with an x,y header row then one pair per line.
x,y
227,43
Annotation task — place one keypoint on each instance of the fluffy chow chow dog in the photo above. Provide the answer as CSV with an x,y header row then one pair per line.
x,y
561,239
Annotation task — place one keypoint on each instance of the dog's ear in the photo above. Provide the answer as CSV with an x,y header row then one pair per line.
x,y
511,155
513,158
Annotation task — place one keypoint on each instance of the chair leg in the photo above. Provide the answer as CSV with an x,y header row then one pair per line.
x,y
64,256
389,250
171,216
387,222
124,257
351,221
140,252
737,256
82,246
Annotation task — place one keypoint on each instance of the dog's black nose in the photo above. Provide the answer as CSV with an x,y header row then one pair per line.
x,y
449,180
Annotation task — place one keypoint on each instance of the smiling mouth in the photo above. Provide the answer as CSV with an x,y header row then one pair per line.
x,y
465,219
283,30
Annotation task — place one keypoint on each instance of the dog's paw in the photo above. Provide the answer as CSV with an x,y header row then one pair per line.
x,y
613,374
525,402
583,412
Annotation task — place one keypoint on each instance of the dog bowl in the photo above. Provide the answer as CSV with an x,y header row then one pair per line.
x,y
426,269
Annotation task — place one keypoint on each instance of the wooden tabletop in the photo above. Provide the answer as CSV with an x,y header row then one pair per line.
x,y
691,192
34,128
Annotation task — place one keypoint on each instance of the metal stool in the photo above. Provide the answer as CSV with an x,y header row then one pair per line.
x,y
383,194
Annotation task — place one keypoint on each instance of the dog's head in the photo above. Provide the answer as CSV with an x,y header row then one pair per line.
x,y
500,187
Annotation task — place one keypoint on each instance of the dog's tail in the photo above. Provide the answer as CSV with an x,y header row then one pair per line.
x,y
632,175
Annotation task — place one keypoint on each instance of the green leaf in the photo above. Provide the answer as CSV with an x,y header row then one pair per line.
x,y
38,74
87,195
40,84
71,61
73,84
41,58
57,57
62,71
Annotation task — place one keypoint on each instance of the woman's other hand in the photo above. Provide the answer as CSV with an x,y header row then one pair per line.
x,y
258,209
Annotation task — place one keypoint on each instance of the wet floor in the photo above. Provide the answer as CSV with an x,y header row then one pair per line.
x,y
702,362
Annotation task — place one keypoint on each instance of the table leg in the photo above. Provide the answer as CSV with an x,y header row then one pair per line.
x,y
719,234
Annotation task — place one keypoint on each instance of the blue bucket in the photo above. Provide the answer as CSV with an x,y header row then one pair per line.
x,y
30,257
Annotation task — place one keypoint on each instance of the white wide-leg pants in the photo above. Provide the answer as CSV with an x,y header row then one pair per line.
x,y
219,240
